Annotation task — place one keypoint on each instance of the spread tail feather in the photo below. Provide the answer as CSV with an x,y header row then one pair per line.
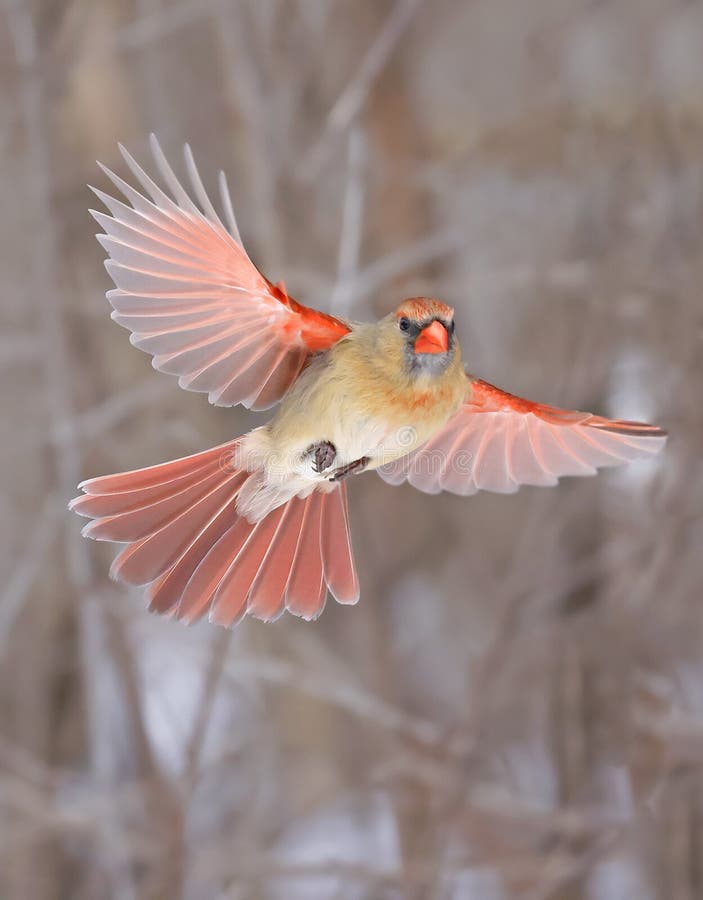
x,y
187,541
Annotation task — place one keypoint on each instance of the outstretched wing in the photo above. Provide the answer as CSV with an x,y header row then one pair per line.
x,y
192,298
497,441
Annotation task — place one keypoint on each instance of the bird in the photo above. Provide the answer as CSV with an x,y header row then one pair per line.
x,y
260,524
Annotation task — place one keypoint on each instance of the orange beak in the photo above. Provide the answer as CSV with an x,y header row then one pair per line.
x,y
432,339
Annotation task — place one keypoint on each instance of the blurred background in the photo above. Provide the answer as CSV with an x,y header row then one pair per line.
x,y
515,707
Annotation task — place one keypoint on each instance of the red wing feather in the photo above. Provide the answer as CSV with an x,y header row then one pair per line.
x,y
192,298
498,441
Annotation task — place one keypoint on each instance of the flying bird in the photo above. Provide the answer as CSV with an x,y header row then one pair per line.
x,y
260,523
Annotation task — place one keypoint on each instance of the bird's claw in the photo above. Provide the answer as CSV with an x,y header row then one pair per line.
x,y
323,455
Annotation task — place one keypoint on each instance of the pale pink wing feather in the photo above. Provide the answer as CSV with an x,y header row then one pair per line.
x,y
305,589
211,568
337,558
497,442
192,298
230,600
267,593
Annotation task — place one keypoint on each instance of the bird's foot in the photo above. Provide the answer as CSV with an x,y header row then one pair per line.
x,y
323,455
352,468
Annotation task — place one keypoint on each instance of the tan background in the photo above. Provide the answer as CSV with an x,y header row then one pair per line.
x,y
515,708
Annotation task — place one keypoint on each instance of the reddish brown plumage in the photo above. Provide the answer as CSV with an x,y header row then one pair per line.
x,y
422,308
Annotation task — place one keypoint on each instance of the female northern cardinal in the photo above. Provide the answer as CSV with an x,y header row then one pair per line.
x,y
260,524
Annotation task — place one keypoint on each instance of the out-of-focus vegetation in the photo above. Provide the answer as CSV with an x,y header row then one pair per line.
x,y
515,708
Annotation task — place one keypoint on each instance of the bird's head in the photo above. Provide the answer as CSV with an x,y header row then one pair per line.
x,y
423,328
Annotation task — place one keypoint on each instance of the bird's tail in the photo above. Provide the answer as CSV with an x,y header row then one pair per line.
x,y
187,541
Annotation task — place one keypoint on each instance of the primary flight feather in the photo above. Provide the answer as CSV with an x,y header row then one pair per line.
x,y
260,524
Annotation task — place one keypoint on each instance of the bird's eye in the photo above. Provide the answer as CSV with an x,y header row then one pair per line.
x,y
450,327
404,324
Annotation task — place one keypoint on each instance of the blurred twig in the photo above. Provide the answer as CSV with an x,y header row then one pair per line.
x,y
106,416
18,587
149,29
211,681
350,102
352,224
417,254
